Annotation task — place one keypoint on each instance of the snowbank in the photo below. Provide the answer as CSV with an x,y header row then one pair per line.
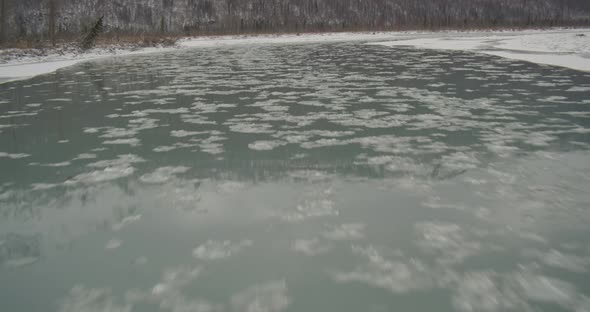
x,y
29,66
565,48
288,38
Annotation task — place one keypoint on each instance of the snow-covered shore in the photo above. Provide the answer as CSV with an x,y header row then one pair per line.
x,y
560,47
25,66
565,48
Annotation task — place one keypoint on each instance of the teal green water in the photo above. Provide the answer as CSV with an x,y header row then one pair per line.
x,y
312,177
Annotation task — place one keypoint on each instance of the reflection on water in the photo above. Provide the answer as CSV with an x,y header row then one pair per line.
x,y
337,177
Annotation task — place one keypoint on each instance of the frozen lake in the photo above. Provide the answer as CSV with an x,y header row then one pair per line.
x,y
296,177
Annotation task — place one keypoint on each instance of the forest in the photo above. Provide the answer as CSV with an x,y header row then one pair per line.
x,y
48,19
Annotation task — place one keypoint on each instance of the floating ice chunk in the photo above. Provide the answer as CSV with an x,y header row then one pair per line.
x,y
380,160
539,139
85,156
212,148
130,141
395,276
178,303
173,280
215,250
546,289
251,128
113,244
561,260
43,186
230,186
479,291
85,299
347,231
579,89
182,110
91,130
460,160
126,221
103,175
163,174
59,164
122,160
313,208
13,156
184,133
161,149
118,133
310,175
265,145
309,247
447,240
20,262
267,297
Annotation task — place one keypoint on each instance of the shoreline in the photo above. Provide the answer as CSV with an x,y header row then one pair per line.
x,y
562,47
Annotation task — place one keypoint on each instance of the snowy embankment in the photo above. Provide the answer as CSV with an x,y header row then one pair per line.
x,y
562,47
566,48
14,66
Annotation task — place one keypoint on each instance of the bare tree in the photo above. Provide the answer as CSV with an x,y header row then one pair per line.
x,y
230,16
3,21
52,12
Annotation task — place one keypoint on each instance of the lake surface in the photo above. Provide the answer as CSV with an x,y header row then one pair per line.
x,y
313,177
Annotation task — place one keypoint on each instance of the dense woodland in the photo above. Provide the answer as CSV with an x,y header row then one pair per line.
x,y
47,19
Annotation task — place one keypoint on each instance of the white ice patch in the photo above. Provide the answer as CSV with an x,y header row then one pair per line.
x,y
216,250
546,289
447,240
114,244
163,174
43,186
122,160
161,149
479,291
395,276
59,164
82,299
126,221
173,280
184,133
309,247
13,155
20,262
251,128
579,89
116,132
229,187
130,141
85,156
312,209
557,259
265,145
103,175
347,231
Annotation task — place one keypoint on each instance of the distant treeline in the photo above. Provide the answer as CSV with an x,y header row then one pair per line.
x,y
45,19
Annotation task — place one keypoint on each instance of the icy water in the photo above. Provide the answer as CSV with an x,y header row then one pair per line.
x,y
316,177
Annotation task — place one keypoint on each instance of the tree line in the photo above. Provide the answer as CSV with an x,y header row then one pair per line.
x,y
48,19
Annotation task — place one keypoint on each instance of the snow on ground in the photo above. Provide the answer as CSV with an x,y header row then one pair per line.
x,y
288,38
28,66
565,48
559,47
